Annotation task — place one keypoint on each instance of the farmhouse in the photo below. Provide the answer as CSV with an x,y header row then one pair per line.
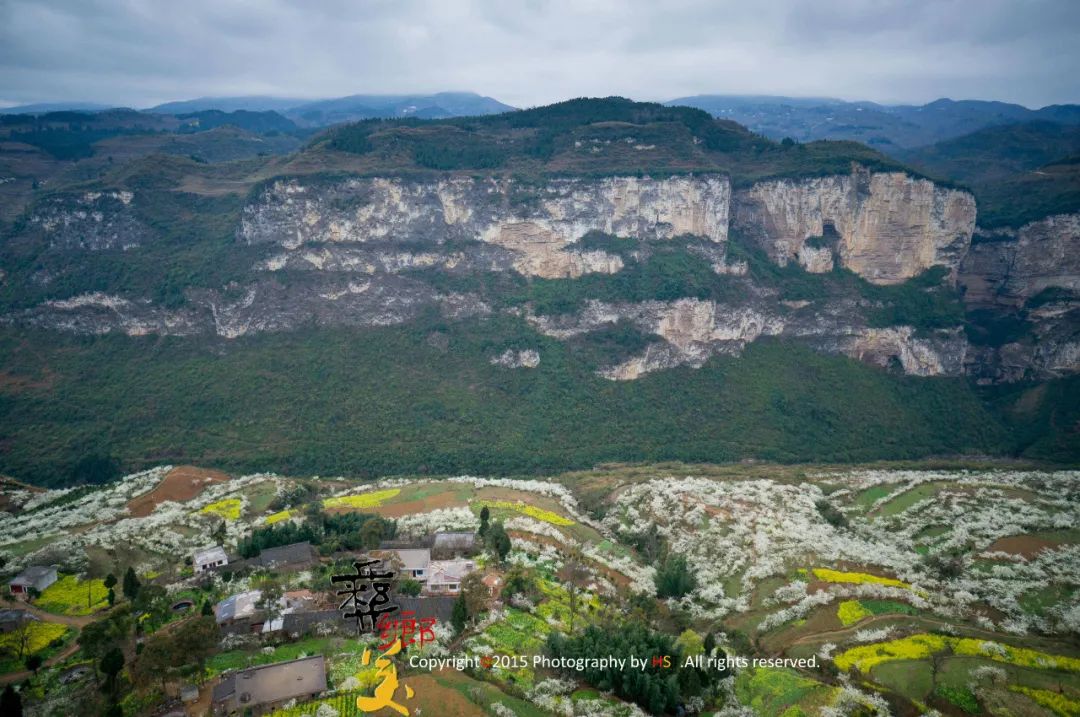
x,y
36,577
209,558
260,690
411,562
445,576
241,606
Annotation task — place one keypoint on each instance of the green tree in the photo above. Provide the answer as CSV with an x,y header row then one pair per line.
x,y
111,597
410,587
110,580
95,469
371,534
674,579
156,662
111,664
34,662
485,516
207,607
196,640
460,615
131,584
690,643
498,540
10,703
476,594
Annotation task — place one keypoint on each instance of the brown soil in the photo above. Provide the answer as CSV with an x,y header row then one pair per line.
x,y
179,485
1025,545
426,504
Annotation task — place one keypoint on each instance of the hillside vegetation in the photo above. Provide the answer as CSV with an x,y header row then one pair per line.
x,y
424,398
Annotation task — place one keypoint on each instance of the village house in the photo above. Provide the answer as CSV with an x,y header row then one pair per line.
x,y
36,577
209,558
445,576
261,690
454,545
241,606
409,562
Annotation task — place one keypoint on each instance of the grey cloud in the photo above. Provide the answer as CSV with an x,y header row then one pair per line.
x,y
141,52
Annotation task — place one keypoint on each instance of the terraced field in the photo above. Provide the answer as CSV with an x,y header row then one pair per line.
x,y
908,591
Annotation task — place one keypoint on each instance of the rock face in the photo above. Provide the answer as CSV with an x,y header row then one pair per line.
x,y
889,226
690,331
363,252
1031,274
537,226
91,221
526,358
1008,267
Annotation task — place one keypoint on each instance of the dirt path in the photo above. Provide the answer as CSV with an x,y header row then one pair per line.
x,y
58,657
76,621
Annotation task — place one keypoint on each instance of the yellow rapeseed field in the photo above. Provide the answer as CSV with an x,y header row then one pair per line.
x,y
71,596
532,511
851,611
362,500
227,508
921,646
837,576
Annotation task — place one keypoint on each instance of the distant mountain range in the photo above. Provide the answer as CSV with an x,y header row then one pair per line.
x,y
310,113
889,128
886,127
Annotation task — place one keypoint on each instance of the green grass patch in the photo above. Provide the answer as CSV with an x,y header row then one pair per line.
x,y
911,678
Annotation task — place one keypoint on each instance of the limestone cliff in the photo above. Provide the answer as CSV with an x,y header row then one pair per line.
x,y
538,226
371,251
1009,267
1029,276
889,226
690,331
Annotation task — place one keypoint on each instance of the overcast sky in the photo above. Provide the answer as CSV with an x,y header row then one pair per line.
x,y
528,52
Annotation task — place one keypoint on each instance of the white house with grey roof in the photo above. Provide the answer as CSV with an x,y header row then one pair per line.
x,y
36,577
410,562
209,558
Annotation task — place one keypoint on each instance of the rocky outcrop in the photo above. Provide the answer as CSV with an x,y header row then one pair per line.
x,y
538,225
525,358
889,226
690,331
91,221
1009,267
1028,276
264,306
360,252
